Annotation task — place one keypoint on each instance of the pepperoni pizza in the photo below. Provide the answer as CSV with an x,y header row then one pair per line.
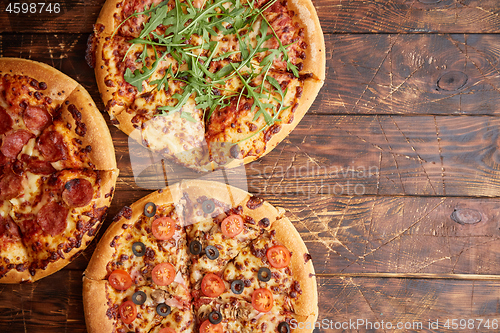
x,y
57,170
210,84
201,257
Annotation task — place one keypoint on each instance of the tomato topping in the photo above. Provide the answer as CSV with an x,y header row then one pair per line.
x,y
262,300
163,274
212,285
167,330
232,225
208,327
278,256
163,228
128,312
120,280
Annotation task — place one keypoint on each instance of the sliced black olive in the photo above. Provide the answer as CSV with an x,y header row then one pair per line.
x,y
153,209
139,297
237,286
215,317
139,249
212,252
264,274
283,327
208,206
163,309
195,247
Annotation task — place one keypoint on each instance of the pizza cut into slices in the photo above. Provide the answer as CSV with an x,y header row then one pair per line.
x,y
176,250
57,170
210,84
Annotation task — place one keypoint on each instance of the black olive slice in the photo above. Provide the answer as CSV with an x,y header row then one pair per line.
x,y
215,317
237,286
208,206
153,209
212,252
195,247
283,327
163,309
264,274
139,297
139,249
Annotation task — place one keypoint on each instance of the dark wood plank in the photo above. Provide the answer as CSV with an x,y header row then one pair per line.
x,y
54,303
352,16
366,74
415,16
396,235
74,16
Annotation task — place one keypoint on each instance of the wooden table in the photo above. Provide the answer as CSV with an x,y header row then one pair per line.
x,y
392,178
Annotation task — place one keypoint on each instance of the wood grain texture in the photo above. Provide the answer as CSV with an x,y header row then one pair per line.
x,y
50,306
336,16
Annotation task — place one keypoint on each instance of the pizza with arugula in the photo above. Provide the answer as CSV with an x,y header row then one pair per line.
x,y
211,84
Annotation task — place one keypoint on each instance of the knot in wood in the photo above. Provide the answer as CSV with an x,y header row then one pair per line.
x,y
451,81
466,216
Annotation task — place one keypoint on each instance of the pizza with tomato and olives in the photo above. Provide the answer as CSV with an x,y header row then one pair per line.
x,y
212,83
57,170
202,257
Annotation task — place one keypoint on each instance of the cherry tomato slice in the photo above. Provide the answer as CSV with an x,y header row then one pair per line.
x,y
262,300
208,327
278,256
163,274
128,312
120,280
232,225
212,285
167,330
163,228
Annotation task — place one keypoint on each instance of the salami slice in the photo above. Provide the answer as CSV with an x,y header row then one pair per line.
x,y
34,165
77,192
51,145
36,118
52,218
5,121
14,142
10,185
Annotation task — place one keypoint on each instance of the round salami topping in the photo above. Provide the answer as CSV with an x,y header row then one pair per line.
x,y
36,118
77,192
10,185
5,121
14,142
9,229
51,145
52,218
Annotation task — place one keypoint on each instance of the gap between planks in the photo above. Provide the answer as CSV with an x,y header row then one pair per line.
x,y
482,277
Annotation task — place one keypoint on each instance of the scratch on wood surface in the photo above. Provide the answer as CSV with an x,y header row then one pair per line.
x,y
267,182
420,159
374,75
440,150
467,248
393,156
398,235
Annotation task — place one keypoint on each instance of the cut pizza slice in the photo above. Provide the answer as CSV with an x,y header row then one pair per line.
x,y
270,286
58,215
13,253
144,253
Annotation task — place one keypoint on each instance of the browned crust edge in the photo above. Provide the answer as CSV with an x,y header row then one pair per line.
x,y
59,85
95,306
105,20
302,270
108,181
97,132
14,276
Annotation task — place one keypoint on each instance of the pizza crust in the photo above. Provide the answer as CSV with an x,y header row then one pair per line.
x,y
95,306
14,276
97,134
303,271
59,85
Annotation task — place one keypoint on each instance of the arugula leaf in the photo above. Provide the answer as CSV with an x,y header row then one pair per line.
x,y
138,77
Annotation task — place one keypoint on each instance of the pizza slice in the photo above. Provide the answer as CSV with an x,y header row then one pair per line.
x,y
138,279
